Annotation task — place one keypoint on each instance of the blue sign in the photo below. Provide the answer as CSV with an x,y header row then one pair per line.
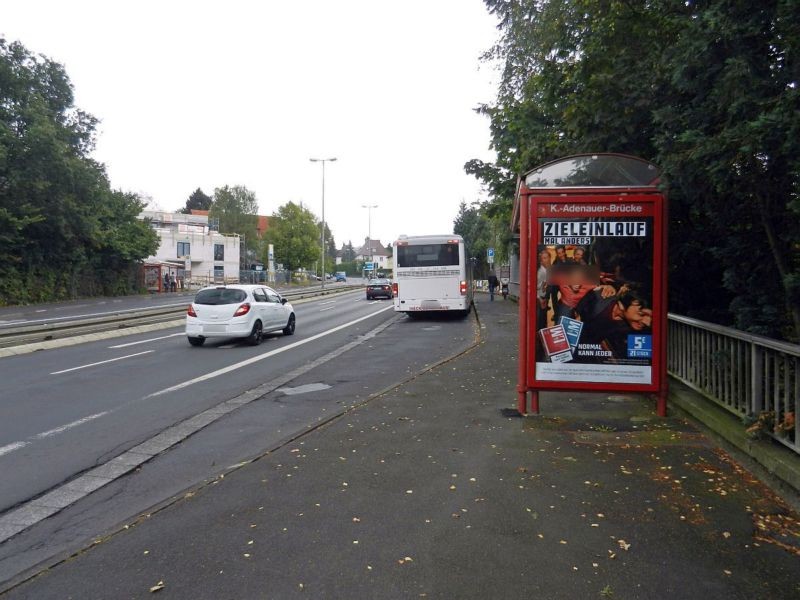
x,y
640,346
490,252
368,266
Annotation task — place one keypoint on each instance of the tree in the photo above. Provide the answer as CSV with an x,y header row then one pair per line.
x,y
348,252
707,90
63,231
294,231
198,200
236,207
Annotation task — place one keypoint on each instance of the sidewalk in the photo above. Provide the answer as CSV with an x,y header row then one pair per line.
x,y
436,490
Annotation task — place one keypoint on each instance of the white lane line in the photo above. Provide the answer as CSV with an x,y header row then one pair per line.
x,y
102,362
11,447
41,310
324,309
374,301
328,302
163,337
63,428
264,356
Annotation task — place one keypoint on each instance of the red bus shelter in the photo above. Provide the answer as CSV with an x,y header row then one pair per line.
x,y
593,278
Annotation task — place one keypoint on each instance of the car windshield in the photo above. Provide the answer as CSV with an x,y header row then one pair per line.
x,y
220,296
378,281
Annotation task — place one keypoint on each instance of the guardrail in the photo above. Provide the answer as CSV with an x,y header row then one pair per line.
x,y
26,334
754,377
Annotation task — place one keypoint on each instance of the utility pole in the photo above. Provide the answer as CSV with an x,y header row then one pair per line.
x,y
322,244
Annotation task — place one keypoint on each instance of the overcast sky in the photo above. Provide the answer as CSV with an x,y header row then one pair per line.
x,y
203,94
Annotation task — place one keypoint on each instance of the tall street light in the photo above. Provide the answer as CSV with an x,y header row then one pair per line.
x,y
369,208
322,254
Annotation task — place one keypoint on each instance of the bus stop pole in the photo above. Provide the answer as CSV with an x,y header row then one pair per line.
x,y
522,360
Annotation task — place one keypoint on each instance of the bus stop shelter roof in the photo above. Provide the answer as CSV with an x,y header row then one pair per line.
x,y
585,173
594,170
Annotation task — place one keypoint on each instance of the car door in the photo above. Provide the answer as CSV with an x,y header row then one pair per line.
x,y
261,307
277,310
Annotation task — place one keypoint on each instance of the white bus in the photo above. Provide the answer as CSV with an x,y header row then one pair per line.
x,y
431,273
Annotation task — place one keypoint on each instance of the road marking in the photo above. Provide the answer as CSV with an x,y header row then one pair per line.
x,y
324,309
34,511
374,301
102,362
11,447
328,302
41,310
163,337
63,428
264,356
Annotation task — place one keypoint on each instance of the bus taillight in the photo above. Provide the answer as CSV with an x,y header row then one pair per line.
x,y
394,289
463,288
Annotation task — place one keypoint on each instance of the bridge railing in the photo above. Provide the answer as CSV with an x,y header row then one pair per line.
x,y
750,375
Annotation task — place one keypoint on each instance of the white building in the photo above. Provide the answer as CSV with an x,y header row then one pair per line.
x,y
374,251
198,254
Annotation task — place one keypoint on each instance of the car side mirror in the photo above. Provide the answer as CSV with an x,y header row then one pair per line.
x,y
284,300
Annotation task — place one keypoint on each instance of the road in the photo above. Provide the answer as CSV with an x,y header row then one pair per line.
x,y
68,410
58,312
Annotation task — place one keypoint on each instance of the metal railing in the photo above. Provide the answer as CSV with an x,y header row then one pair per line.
x,y
750,375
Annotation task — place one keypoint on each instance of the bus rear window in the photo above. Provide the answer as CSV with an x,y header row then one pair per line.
x,y
429,255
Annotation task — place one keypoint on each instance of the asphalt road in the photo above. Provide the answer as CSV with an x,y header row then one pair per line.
x,y
57,312
65,411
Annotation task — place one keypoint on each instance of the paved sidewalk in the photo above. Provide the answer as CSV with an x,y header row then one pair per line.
x,y
435,490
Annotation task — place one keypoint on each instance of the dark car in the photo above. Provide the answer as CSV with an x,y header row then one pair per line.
x,y
379,288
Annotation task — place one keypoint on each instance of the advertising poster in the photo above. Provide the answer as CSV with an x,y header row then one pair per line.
x,y
594,279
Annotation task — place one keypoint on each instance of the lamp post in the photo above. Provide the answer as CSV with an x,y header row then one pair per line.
x,y
322,250
369,208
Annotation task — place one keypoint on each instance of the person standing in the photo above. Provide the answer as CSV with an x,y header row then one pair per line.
x,y
542,288
493,282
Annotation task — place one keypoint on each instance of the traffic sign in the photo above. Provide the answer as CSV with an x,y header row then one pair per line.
x,y
490,256
368,266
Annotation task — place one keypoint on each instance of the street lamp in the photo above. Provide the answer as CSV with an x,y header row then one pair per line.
x,y
369,208
322,254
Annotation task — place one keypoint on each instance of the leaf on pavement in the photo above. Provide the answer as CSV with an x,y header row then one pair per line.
x,y
157,587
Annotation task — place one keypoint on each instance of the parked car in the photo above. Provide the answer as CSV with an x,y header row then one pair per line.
x,y
238,311
379,288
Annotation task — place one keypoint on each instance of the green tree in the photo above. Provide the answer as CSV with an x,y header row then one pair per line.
x,y
294,231
198,200
236,208
63,231
708,90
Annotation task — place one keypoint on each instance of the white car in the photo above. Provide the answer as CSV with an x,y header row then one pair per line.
x,y
238,311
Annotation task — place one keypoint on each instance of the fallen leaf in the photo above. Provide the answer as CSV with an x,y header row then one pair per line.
x,y
623,544
726,534
157,587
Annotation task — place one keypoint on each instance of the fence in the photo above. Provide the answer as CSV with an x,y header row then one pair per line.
x,y
750,375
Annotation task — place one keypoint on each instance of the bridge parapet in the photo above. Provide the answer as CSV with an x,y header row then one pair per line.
x,y
754,377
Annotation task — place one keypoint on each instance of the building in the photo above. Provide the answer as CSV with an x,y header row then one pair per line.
x,y
192,251
374,251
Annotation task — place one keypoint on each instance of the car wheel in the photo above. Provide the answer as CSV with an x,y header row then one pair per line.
x,y
197,341
256,335
289,329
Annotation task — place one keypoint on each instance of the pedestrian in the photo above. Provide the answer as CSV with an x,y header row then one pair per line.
x,y
492,285
173,283
166,282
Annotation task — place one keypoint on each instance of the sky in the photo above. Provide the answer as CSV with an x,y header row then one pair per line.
x,y
204,94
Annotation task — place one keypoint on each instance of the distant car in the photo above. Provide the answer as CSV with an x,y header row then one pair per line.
x,y
238,311
341,277
379,288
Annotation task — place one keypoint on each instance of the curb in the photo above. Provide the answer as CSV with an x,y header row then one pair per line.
x,y
778,461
